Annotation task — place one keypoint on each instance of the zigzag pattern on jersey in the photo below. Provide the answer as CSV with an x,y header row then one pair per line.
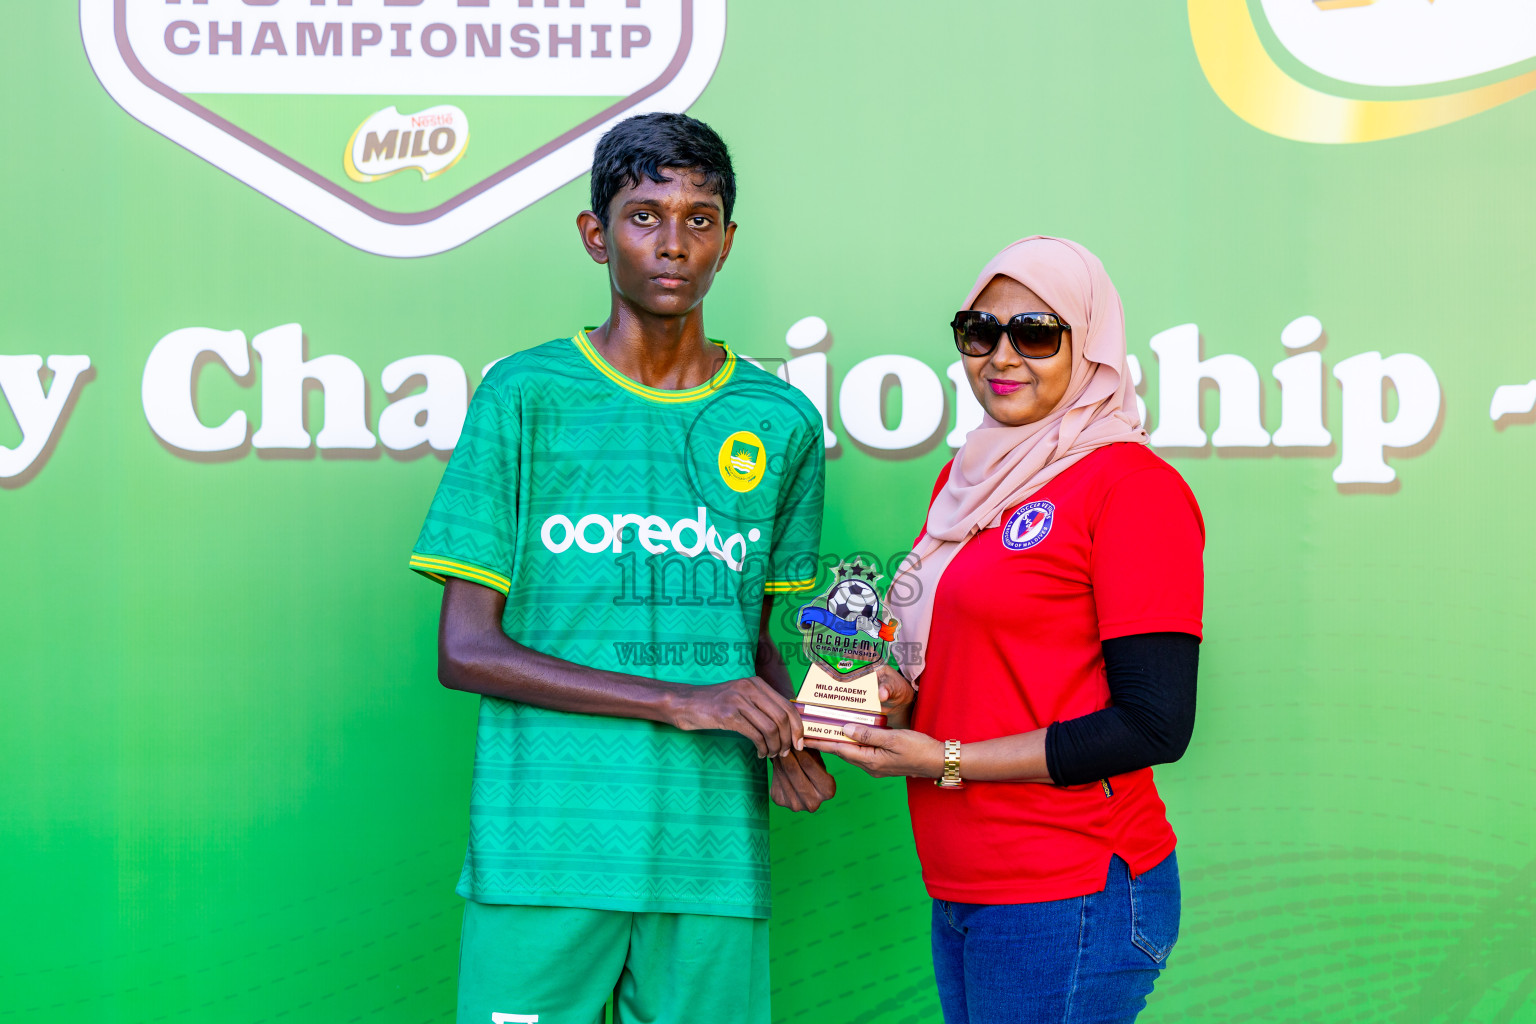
x,y
560,437
547,608
651,804
570,808
552,363
633,582
475,502
498,755
649,767
460,526
662,893
542,734
609,643
600,646
580,486
517,746
616,581
572,453
470,506
487,455
532,858
595,650
633,447
692,850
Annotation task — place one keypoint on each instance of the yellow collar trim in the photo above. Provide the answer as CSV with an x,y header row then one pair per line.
x,y
709,387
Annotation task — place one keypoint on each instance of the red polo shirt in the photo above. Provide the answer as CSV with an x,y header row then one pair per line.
x,y
1111,547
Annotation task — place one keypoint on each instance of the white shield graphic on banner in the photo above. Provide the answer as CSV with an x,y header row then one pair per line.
x,y
402,127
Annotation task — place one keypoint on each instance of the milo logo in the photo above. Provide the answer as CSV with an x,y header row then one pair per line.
x,y
389,142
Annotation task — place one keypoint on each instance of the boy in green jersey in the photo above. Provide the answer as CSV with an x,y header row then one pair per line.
x,y
620,510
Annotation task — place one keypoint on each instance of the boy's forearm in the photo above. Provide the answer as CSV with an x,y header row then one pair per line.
x,y
494,665
770,663
476,656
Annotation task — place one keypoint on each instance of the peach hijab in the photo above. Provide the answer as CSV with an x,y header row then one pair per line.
x,y
999,466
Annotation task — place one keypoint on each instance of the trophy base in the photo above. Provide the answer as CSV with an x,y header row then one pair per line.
x,y
826,723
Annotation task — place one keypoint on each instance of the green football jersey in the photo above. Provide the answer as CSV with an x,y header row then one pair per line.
x,y
636,530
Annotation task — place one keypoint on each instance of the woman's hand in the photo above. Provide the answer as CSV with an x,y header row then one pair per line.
x,y
887,752
896,696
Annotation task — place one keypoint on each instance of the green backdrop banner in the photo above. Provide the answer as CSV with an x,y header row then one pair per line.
x,y
257,255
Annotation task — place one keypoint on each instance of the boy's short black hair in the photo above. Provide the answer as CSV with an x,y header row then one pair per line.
x,y
643,145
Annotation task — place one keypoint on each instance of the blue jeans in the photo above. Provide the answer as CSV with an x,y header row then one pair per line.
x,y
1088,959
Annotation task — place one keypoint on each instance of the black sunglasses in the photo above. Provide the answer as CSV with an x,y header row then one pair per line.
x,y
1034,335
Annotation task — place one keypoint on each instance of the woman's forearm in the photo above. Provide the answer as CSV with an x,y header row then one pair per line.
x,y
1019,758
1152,682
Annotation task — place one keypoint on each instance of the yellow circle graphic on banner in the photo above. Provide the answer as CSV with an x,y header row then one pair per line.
x,y
742,461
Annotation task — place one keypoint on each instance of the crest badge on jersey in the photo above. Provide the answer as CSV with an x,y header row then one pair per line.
x,y
742,461
320,106
1028,526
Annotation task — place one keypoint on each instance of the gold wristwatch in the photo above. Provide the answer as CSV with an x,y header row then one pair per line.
x,y
951,777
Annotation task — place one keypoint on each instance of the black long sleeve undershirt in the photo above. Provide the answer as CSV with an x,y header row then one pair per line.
x,y
1150,718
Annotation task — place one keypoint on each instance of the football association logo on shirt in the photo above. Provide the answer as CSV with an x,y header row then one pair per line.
x,y
742,461
1028,526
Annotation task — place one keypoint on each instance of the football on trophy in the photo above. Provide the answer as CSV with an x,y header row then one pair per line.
x,y
852,599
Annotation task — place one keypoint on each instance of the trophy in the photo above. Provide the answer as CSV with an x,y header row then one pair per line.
x,y
846,642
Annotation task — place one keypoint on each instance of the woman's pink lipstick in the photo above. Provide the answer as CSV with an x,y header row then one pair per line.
x,y
1004,387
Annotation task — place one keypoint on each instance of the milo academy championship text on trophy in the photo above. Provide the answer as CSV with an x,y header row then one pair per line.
x,y
846,642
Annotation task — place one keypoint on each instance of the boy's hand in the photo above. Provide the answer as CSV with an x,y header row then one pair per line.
x,y
747,706
800,781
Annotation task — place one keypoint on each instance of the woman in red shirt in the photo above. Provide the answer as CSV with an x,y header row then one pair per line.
x,y
1052,620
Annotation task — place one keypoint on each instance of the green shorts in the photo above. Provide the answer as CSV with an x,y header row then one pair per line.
x,y
560,965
